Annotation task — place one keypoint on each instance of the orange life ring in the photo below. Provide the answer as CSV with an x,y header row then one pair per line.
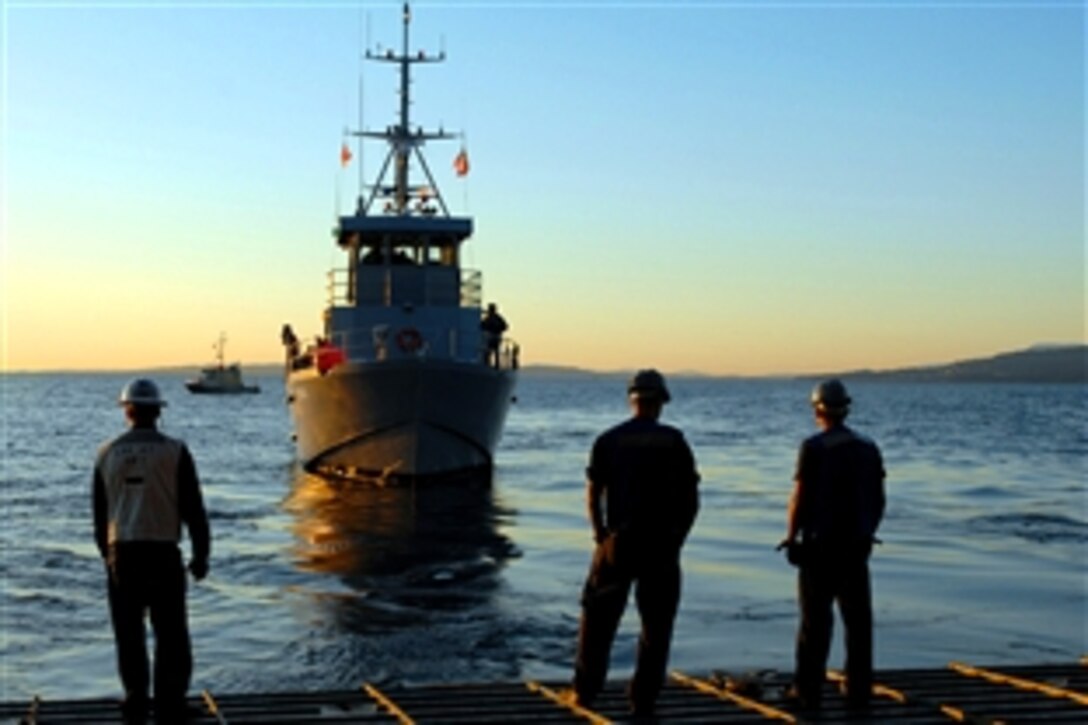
x,y
409,339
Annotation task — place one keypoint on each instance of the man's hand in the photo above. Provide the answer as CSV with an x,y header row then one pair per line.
x,y
795,550
198,568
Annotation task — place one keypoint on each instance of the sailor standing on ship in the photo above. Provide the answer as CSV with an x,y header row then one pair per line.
x,y
290,342
145,487
493,325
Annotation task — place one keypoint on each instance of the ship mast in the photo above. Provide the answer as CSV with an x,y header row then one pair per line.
x,y
218,345
404,143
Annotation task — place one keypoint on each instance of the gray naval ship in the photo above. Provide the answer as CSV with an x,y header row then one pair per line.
x,y
403,382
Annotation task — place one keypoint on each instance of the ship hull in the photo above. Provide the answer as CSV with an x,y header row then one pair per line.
x,y
399,418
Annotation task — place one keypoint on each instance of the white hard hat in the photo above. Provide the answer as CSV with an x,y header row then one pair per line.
x,y
141,391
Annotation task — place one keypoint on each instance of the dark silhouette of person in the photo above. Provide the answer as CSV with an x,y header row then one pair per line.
x,y
834,512
290,342
642,496
493,326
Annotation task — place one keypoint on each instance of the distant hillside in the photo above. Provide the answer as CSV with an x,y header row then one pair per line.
x,y
555,371
1058,364
1041,364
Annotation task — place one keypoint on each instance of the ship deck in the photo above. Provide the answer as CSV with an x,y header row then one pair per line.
x,y
1052,693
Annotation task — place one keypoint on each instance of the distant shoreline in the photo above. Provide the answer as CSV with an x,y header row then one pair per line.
x,y
1040,364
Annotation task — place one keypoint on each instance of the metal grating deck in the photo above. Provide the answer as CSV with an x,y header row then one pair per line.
x,y
1050,693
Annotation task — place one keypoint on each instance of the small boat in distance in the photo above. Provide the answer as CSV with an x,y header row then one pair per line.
x,y
220,379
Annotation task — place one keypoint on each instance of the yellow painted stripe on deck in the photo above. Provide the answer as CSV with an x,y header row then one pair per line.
x,y
748,704
878,689
391,707
567,702
953,713
212,706
1019,682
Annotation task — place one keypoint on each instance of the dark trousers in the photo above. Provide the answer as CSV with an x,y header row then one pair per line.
x,y
825,578
148,578
656,576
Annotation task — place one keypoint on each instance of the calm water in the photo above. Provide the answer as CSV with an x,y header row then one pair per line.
x,y
315,585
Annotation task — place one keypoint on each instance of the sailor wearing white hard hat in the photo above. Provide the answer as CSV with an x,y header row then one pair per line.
x,y
145,488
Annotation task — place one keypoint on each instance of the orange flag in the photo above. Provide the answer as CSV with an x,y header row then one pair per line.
x,y
460,163
345,154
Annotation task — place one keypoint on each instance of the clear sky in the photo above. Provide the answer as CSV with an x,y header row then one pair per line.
x,y
729,187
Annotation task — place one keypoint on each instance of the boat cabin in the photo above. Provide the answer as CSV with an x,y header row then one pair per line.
x,y
404,292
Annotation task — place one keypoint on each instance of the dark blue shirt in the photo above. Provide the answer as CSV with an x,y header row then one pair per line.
x,y
841,487
647,472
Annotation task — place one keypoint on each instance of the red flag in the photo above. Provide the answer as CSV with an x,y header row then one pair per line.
x,y
460,163
345,154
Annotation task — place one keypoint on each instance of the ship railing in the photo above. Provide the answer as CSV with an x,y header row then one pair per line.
x,y
509,352
337,287
340,292
472,288
390,342
381,343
